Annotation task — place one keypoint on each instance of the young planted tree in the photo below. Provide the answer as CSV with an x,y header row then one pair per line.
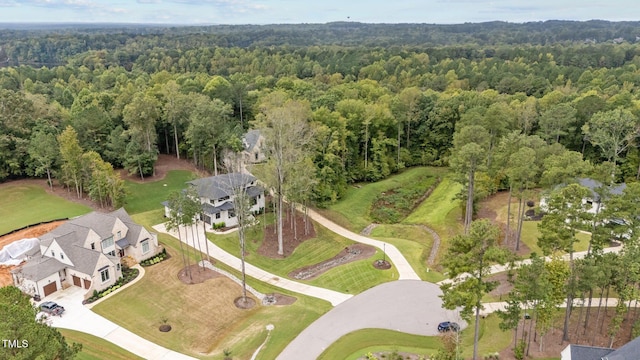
x,y
472,253
176,220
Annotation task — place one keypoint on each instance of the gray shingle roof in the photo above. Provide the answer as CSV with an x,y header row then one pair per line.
x,y
39,267
210,209
71,236
250,139
581,352
593,185
629,351
216,187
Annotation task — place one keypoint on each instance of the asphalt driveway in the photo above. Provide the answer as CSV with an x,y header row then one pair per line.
x,y
409,306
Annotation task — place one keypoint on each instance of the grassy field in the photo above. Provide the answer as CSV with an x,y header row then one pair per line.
x,y
416,250
441,212
212,322
148,196
352,211
22,205
530,234
95,348
359,343
350,278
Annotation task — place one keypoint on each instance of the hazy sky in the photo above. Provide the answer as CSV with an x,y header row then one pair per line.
x,y
313,11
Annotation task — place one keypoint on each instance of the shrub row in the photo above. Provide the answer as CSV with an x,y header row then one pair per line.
x,y
127,276
155,259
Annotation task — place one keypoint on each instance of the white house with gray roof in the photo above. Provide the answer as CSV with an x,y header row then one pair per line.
x,y
84,252
217,196
593,203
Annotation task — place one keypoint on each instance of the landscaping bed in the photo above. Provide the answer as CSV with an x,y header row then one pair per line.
x,y
349,254
291,237
128,275
393,205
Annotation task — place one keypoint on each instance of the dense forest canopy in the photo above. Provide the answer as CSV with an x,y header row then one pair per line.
x,y
379,97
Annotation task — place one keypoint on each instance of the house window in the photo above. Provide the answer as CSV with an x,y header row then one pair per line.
x,y
212,201
232,214
256,154
118,267
107,243
223,198
62,256
53,254
112,253
104,275
145,246
217,215
119,235
93,246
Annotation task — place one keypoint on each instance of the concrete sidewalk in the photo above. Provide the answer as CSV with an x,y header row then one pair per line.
x,y
218,253
489,308
502,268
80,318
402,265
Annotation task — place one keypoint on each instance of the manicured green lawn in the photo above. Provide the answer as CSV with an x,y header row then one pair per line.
x,y
530,234
22,205
416,250
352,211
353,277
147,196
441,212
95,348
203,316
359,343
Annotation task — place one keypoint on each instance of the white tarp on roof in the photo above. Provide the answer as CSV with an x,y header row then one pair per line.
x,y
14,253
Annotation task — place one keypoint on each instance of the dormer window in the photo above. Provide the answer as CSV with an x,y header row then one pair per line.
x,y
53,254
119,235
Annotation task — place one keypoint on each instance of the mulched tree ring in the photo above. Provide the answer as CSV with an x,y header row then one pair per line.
x,y
165,328
382,264
244,303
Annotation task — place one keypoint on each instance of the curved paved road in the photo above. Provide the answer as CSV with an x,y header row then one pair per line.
x,y
409,306
405,270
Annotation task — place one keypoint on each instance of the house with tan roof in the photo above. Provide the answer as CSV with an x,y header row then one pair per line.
x,y
86,252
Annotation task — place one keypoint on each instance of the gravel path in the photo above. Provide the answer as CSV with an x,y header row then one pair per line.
x,y
434,247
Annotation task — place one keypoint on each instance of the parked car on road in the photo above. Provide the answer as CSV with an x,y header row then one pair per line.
x,y
51,308
448,326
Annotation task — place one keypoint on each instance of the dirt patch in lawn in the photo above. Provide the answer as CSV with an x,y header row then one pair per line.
x,y
291,237
198,274
349,254
487,209
281,299
164,164
32,232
